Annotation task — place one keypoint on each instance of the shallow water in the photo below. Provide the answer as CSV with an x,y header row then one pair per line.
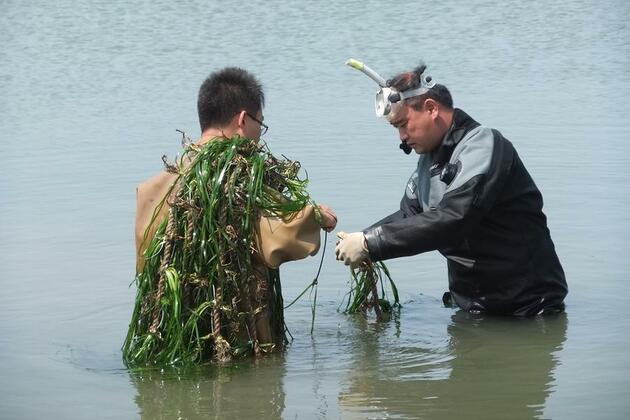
x,y
91,94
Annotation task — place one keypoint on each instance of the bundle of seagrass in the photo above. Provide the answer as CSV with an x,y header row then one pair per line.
x,y
365,282
194,293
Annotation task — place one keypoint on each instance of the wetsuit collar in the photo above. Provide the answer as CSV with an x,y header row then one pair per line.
x,y
462,124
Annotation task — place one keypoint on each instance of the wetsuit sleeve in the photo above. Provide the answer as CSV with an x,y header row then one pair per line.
x,y
484,162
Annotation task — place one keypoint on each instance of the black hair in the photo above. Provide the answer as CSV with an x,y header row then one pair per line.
x,y
411,79
225,93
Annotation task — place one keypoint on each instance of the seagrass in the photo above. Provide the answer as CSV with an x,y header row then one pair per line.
x,y
201,287
365,283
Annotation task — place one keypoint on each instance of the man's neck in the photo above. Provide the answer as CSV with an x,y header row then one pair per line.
x,y
212,132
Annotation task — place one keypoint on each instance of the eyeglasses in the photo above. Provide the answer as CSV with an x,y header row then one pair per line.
x,y
263,127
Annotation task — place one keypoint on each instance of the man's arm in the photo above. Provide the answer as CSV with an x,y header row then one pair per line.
x,y
151,210
485,160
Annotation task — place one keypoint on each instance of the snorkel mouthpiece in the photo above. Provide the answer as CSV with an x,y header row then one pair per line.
x,y
404,147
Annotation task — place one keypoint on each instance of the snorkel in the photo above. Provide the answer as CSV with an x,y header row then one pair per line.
x,y
389,100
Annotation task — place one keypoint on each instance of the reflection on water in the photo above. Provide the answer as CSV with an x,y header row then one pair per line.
x,y
250,389
475,366
494,367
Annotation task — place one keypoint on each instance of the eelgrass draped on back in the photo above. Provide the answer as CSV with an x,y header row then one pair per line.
x,y
194,291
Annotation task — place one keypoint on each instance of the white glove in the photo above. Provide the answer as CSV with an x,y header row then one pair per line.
x,y
351,249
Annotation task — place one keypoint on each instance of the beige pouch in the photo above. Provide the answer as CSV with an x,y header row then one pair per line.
x,y
280,241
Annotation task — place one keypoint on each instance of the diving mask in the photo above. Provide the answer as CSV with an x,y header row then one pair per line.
x,y
388,100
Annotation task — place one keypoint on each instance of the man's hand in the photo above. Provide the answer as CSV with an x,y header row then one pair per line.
x,y
351,248
329,219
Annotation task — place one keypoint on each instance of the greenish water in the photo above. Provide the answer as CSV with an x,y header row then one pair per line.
x,y
91,94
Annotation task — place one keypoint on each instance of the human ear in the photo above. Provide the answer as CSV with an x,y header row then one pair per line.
x,y
431,106
241,118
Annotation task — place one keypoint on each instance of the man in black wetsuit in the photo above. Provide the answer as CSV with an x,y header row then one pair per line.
x,y
470,198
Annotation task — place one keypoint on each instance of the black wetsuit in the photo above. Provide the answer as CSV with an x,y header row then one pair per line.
x,y
473,200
